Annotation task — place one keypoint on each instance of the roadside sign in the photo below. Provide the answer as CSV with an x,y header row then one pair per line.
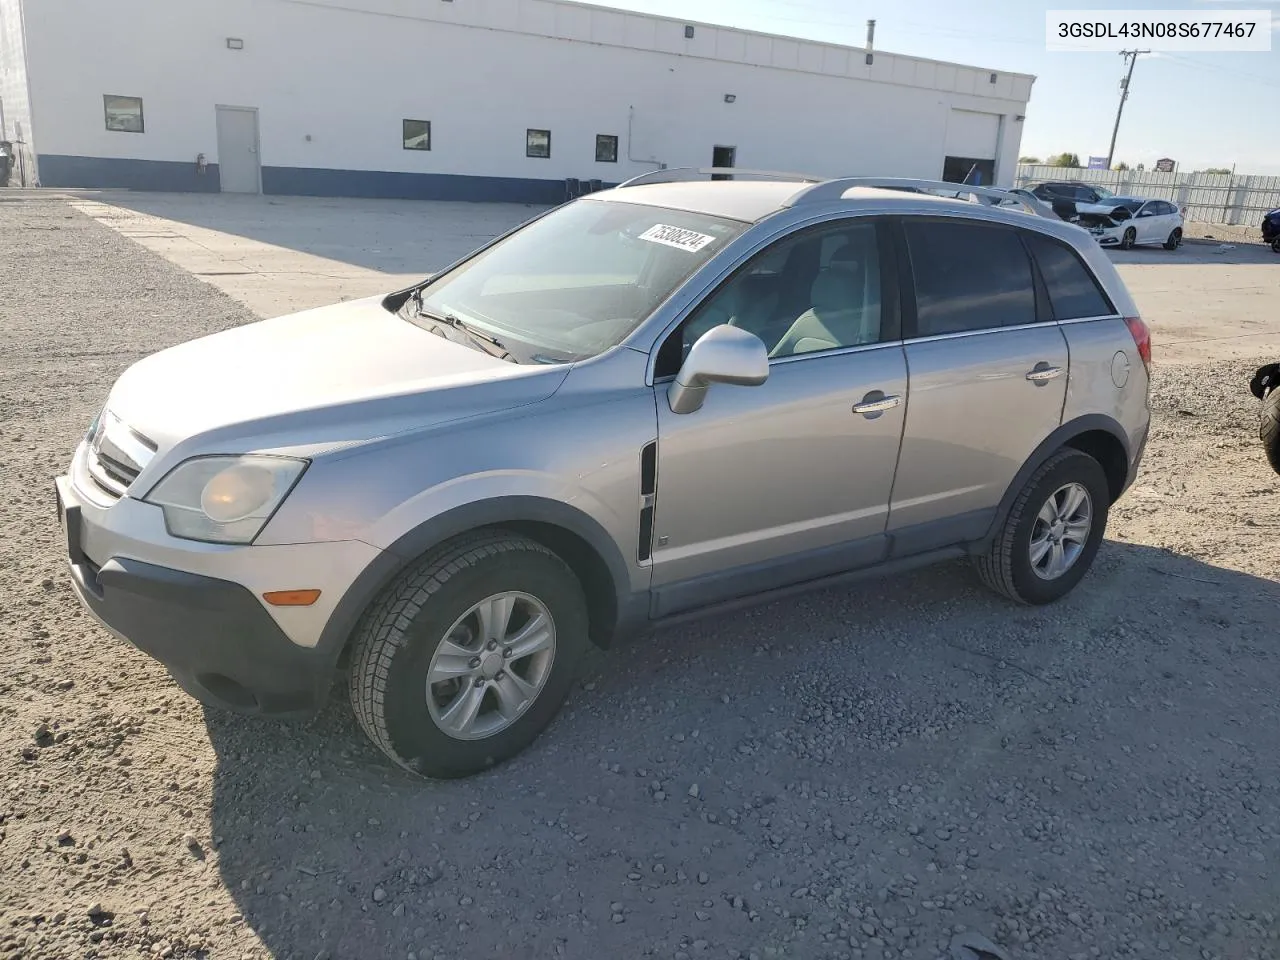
x,y
1097,163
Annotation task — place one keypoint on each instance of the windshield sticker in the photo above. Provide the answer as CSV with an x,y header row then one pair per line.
x,y
677,237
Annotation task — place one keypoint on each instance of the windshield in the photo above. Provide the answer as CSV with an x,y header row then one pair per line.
x,y
1103,192
577,281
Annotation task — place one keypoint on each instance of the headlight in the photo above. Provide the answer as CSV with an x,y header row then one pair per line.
x,y
224,499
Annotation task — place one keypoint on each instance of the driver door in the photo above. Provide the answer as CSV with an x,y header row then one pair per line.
x,y
1148,222
790,480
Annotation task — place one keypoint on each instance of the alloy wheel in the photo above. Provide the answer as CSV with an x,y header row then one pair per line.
x,y
1061,531
491,665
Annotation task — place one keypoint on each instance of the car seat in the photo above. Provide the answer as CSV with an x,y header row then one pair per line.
x,y
844,311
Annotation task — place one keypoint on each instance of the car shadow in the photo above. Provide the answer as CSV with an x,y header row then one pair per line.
x,y
629,816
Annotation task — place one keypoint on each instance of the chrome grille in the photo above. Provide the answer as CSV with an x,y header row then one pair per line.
x,y
116,455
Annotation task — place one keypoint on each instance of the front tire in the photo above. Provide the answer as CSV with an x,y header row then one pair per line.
x,y
1175,239
1129,240
1052,532
467,656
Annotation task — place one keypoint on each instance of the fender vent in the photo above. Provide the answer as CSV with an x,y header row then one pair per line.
x,y
648,489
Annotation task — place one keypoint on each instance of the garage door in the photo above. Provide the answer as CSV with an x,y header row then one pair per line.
x,y
972,134
972,139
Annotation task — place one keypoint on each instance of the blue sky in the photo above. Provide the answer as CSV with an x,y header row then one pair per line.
x,y
1203,109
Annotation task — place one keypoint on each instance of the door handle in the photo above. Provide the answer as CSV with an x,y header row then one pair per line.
x,y
1044,373
875,403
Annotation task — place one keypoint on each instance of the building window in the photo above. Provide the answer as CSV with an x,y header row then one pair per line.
x,y
606,148
124,114
537,143
416,134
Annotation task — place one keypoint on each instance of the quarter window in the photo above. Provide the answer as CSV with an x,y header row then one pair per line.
x,y
124,114
1073,293
606,148
537,143
968,276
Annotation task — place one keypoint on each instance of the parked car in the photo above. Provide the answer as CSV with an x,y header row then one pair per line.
x,y
1265,385
653,400
1041,207
1072,190
1127,222
1271,229
1065,195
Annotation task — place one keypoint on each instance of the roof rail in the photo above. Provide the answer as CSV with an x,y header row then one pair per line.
x,y
835,189
680,174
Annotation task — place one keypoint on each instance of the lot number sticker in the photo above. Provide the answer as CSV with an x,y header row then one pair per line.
x,y
677,237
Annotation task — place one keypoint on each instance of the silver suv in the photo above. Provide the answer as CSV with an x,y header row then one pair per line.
x,y
655,399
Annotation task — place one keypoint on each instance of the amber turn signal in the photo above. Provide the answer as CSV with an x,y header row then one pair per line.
x,y
291,598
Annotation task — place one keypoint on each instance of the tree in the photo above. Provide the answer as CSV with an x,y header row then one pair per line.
x,y
1121,166
1028,159
1065,160
1217,170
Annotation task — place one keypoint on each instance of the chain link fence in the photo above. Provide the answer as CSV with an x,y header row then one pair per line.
x,y
1205,197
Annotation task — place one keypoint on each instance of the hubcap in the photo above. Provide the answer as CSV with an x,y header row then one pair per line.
x,y
1061,531
491,665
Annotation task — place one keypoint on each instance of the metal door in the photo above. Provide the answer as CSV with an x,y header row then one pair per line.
x,y
238,166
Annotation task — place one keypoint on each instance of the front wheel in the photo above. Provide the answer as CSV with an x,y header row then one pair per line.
x,y
1129,239
1052,532
468,655
1175,239
1275,245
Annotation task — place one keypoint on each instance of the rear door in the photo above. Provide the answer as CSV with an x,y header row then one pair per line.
x,y
987,376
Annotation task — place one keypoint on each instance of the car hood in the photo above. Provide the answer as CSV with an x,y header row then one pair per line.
x,y
334,375
1117,211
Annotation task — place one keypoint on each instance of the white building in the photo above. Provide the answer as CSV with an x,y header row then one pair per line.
x,y
466,99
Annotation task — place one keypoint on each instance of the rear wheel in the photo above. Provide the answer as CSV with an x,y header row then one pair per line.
x,y
1269,428
1175,239
468,655
1052,532
1129,239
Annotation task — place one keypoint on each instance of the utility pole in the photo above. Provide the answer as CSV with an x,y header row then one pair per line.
x,y
1132,57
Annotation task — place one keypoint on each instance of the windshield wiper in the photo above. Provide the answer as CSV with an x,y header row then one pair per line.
x,y
487,342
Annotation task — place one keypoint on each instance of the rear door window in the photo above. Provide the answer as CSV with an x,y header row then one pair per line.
x,y
968,276
1073,292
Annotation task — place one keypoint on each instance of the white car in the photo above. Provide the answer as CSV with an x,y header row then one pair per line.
x,y
1127,222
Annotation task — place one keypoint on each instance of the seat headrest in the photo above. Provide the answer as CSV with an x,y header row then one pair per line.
x,y
839,285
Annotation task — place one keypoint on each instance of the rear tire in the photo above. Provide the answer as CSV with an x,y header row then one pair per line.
x,y
1020,561
449,632
1129,239
1269,429
1175,239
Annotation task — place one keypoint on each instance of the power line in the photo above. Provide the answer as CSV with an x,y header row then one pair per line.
x,y
1132,57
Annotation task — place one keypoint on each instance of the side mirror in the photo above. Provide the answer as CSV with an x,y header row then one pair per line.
x,y
723,354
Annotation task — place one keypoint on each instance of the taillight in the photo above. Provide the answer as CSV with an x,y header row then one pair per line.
x,y
1141,339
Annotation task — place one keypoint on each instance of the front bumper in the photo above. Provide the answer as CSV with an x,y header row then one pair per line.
x,y
220,642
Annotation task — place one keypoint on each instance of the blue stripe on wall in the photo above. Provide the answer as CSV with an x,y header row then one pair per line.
x,y
384,184
164,175
57,170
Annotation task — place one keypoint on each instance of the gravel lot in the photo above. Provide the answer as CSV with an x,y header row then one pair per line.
x,y
858,773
